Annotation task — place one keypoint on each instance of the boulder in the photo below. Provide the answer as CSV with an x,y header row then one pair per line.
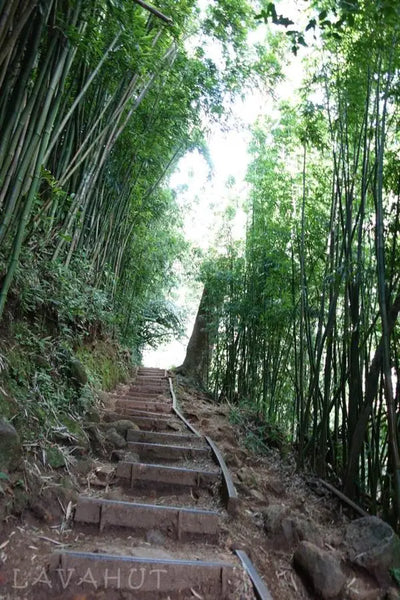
x,y
117,455
246,477
273,516
174,426
122,426
257,495
289,529
321,568
371,543
10,447
115,439
297,529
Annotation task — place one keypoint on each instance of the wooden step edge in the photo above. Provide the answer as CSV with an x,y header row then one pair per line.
x,y
165,437
140,559
261,590
230,493
134,412
144,407
178,522
89,571
155,445
178,477
184,509
157,424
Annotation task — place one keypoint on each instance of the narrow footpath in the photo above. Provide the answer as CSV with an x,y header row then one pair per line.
x,y
154,534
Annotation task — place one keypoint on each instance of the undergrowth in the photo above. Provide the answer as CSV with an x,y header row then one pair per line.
x,y
55,320
259,434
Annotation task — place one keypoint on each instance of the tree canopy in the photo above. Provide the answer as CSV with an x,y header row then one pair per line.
x,y
99,99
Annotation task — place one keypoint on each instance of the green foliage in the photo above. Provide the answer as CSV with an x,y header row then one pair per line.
x,y
301,313
395,573
105,364
259,435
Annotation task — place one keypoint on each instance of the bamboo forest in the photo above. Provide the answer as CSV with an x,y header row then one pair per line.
x,y
297,327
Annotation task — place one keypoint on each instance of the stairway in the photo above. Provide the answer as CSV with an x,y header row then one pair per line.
x,y
156,534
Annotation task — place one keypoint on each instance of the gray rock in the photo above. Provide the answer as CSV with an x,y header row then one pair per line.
x,y
321,568
118,455
273,516
115,439
78,372
122,426
288,528
10,447
257,495
174,426
297,529
371,543
154,536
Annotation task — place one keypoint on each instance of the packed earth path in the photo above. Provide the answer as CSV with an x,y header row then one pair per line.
x,y
154,531
155,513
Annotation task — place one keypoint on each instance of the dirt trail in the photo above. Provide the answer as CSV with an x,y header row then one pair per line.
x,y
151,520
152,524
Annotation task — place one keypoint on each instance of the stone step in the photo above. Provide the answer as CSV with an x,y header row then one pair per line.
x,y
179,523
155,578
178,439
161,476
152,451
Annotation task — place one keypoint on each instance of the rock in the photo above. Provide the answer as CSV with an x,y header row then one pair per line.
x,y
371,543
232,461
155,537
10,447
122,426
321,568
40,510
273,516
257,495
393,594
84,466
289,529
118,455
247,477
78,373
174,426
96,438
115,439
275,487
297,529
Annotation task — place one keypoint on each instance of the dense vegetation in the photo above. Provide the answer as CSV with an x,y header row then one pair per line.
x,y
98,101
303,315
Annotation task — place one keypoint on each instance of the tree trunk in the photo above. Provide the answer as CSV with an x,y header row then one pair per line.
x,y
199,348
